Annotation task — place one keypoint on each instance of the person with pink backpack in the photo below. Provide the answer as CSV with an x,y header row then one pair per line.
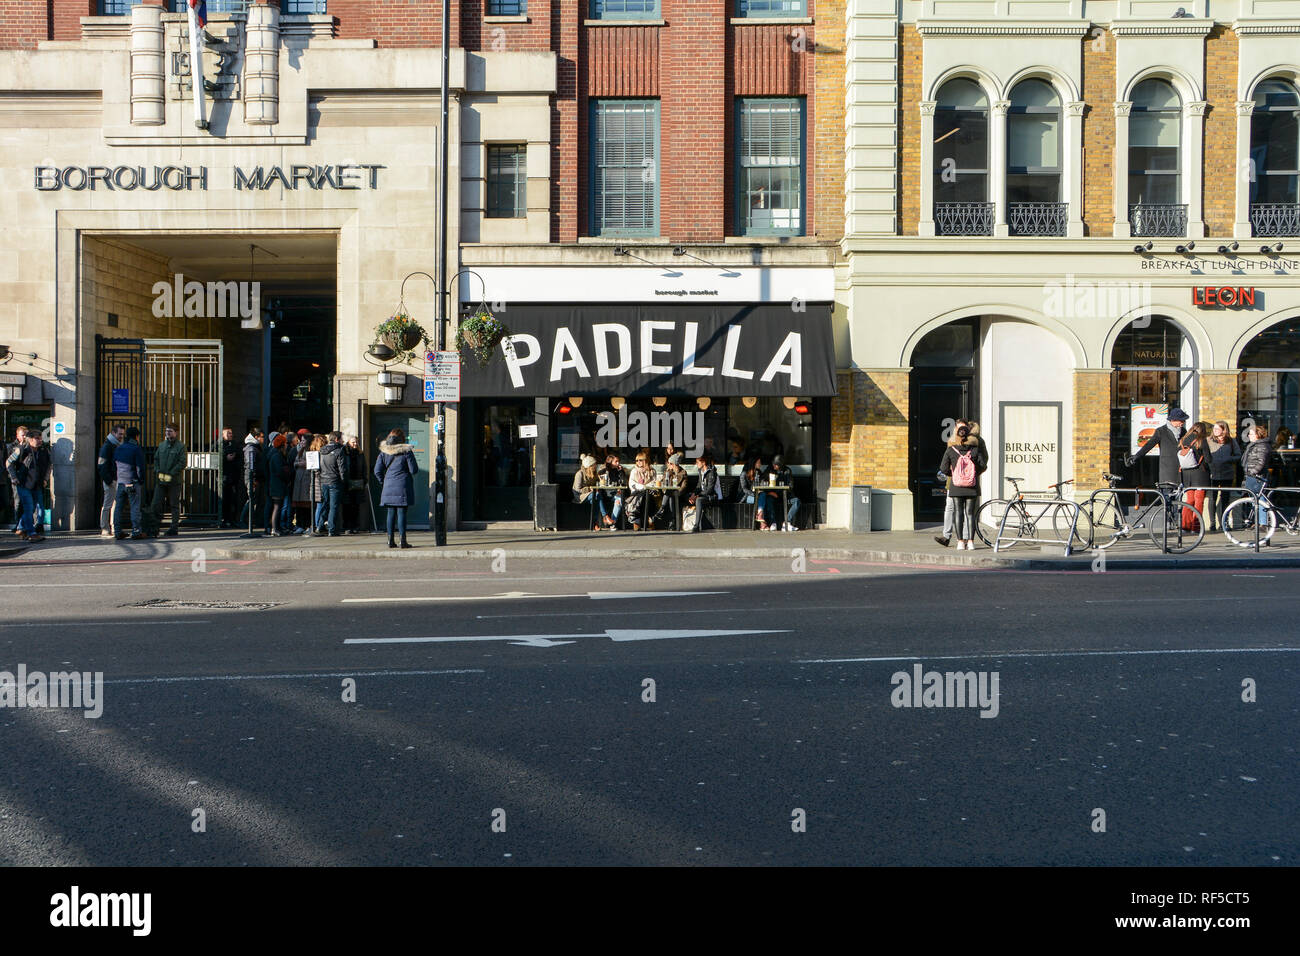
x,y
963,463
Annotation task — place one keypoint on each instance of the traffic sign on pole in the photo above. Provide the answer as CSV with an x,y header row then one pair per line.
x,y
442,376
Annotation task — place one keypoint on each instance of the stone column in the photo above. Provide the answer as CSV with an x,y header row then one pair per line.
x,y
1194,120
148,65
1091,428
1245,172
1073,161
1119,165
262,64
925,226
998,165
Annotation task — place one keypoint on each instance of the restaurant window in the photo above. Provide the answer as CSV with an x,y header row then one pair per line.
x,y
769,156
1152,364
1275,159
728,430
507,182
507,8
624,167
961,159
1268,392
624,9
771,8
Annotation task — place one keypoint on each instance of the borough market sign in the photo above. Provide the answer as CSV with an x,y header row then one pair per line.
x,y
345,176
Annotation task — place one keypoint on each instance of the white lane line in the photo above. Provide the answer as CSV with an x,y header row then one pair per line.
x,y
228,677
133,622
526,595
553,640
973,657
1254,575
1179,600
749,609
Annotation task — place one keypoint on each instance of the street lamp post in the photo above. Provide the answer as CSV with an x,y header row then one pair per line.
x,y
439,414
440,463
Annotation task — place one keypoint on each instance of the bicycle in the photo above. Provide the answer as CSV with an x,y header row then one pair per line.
x,y
1170,536
1242,514
1021,525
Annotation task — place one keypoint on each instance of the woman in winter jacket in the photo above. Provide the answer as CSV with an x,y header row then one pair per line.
x,y
279,482
1224,455
965,497
1196,446
1256,460
396,468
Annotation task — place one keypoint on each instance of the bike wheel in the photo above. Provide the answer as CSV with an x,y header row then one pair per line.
x,y
1186,527
1105,521
989,518
1063,521
1239,523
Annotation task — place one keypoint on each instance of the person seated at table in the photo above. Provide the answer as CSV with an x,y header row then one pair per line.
x,y
615,477
708,490
674,477
585,481
751,475
779,474
1282,439
641,478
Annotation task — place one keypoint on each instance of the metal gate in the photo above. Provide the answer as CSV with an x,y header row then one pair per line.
x,y
150,382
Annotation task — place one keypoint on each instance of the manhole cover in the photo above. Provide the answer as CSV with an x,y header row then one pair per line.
x,y
171,605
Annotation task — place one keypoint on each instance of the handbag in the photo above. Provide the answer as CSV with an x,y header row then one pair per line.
x,y
1187,457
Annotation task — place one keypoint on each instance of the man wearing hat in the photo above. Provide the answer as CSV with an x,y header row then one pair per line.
x,y
1165,441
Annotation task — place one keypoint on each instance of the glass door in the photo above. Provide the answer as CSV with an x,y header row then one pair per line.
x,y
416,426
503,467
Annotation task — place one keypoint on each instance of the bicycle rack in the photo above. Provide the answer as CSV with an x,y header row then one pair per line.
x,y
1046,503
1114,494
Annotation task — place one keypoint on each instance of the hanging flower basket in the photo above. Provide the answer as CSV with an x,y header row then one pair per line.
x,y
480,335
402,334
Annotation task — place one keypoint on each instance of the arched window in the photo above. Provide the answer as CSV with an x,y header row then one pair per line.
x,y
1034,206
1152,364
1275,159
961,161
1155,129
1269,389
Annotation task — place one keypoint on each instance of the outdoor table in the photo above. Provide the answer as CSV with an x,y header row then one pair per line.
x,y
785,500
1290,462
592,510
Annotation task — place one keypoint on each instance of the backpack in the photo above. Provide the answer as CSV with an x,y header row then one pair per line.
x,y
963,472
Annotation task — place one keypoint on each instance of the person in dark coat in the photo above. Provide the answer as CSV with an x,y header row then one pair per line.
x,y
129,459
1255,461
29,468
396,468
232,477
1165,441
1224,455
254,478
965,498
333,481
356,484
279,481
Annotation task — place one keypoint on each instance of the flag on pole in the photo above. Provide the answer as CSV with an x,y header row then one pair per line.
x,y
200,8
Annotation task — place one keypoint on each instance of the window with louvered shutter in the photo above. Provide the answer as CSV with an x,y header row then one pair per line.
x,y
769,180
624,167
507,182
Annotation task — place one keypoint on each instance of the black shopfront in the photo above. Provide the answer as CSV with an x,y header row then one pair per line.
x,y
732,381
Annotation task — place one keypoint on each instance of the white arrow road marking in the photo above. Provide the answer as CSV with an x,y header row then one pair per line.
x,y
516,595
553,640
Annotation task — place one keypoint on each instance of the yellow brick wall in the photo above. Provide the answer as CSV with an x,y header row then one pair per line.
x,y
1219,398
909,131
869,425
1220,131
1098,132
1091,428
828,135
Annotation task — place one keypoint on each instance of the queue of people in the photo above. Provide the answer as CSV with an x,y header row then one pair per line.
x,y
293,493
27,464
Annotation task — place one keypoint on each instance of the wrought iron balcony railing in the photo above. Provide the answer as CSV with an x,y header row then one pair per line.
x,y
1037,218
1275,218
963,218
1158,219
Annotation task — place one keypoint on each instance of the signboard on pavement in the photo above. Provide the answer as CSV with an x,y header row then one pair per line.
x,y
1146,419
442,376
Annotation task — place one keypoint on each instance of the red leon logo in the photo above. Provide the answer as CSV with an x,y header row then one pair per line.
x,y
1228,296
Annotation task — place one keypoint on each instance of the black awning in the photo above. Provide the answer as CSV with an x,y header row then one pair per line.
x,y
640,350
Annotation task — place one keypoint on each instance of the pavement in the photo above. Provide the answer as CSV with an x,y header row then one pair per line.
x,y
912,548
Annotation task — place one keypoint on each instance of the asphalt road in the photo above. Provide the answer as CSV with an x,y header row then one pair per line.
x,y
1119,692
